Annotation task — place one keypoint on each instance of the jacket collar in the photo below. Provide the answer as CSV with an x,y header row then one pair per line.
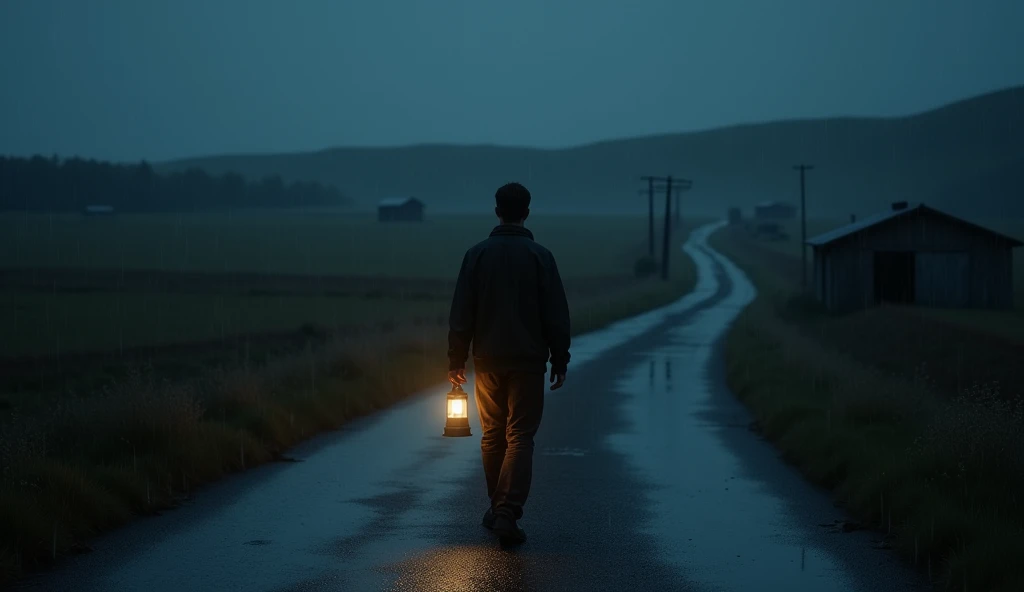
x,y
511,230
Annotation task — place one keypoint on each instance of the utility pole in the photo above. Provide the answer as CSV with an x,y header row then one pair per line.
x,y
803,168
667,184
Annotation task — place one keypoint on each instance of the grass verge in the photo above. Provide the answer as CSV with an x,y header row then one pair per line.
x,y
142,445
940,474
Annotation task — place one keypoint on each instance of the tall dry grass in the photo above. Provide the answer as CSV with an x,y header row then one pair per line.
x,y
141,445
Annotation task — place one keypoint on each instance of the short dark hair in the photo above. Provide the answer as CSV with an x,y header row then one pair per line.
x,y
513,201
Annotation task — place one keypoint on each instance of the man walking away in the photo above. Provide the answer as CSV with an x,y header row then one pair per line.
x,y
510,304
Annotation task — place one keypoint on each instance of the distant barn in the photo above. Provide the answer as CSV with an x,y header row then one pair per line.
x,y
774,210
400,209
913,255
98,210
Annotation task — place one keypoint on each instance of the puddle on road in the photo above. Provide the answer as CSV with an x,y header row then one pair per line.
x,y
716,521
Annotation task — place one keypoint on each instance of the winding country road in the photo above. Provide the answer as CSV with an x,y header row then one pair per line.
x,y
647,478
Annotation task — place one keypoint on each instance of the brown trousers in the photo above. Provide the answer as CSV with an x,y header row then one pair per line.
x,y
511,404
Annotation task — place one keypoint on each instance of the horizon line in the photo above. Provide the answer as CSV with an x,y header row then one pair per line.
x,y
608,140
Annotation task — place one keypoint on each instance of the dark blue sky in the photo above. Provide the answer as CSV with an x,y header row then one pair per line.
x,y
159,79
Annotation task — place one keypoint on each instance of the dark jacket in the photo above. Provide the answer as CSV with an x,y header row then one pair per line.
x,y
510,304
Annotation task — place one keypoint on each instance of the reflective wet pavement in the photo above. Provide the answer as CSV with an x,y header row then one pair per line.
x,y
647,477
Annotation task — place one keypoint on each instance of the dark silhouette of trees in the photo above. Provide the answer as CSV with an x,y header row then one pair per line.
x,y
51,184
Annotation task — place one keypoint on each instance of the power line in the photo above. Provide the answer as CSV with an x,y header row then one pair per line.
x,y
669,184
683,185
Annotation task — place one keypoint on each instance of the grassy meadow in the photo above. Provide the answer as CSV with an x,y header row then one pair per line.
x,y
145,355
913,417
101,314
295,242
54,323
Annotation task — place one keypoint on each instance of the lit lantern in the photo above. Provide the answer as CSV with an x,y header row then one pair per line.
x,y
457,422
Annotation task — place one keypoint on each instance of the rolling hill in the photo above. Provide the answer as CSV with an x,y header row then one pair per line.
x,y
966,157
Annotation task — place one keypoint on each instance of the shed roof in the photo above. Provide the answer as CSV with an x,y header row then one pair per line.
x,y
397,201
876,219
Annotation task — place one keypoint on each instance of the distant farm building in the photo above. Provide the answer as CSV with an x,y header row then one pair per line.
x,y
400,209
774,210
98,210
913,255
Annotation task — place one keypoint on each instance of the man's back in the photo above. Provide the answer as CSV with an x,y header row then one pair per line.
x,y
510,302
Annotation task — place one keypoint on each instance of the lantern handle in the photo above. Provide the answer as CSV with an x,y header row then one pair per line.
x,y
456,387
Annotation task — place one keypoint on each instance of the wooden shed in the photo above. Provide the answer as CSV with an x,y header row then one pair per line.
x,y
400,209
774,210
913,255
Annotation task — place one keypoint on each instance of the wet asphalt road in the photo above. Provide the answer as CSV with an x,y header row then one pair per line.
x,y
647,477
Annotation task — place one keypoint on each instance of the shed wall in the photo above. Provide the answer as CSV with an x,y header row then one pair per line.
x,y
850,283
819,275
992,278
942,278
954,265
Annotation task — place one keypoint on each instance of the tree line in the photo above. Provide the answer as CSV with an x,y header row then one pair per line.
x,y
52,184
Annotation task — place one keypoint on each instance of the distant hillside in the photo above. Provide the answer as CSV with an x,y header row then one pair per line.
x,y
966,157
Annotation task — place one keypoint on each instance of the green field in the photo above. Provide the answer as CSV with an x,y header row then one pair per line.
x,y
301,243
49,324
105,316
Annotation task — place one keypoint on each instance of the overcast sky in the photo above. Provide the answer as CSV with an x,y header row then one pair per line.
x,y
159,79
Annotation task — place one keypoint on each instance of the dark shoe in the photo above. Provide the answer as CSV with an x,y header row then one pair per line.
x,y
507,530
488,520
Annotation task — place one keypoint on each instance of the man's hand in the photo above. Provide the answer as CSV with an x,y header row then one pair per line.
x,y
457,377
557,380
